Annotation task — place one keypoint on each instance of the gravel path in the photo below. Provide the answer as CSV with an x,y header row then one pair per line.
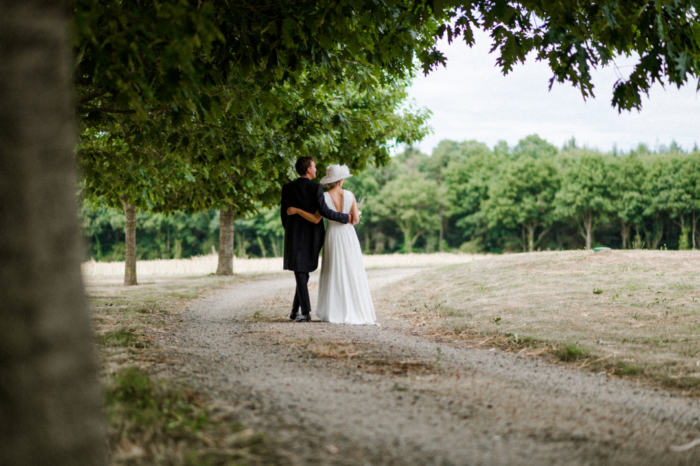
x,y
475,407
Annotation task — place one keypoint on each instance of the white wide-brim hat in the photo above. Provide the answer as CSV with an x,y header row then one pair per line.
x,y
335,173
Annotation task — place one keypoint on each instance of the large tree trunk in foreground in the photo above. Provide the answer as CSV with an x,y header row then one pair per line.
x,y
50,403
130,245
226,218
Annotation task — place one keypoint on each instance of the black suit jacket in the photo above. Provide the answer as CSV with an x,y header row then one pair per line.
x,y
303,240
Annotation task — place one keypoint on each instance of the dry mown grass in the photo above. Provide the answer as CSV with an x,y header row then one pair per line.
x,y
130,321
206,265
367,358
156,421
623,313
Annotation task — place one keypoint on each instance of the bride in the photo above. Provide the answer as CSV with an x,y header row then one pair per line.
x,y
343,293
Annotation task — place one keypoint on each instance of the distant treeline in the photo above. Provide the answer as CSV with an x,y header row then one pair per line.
x,y
469,197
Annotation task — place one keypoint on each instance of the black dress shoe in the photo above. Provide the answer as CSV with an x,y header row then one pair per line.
x,y
293,315
304,318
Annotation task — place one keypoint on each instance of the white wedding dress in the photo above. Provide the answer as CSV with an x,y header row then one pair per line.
x,y
343,293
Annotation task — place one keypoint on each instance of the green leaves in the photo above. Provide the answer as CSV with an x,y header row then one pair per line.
x,y
195,105
574,37
192,106
523,196
412,202
585,184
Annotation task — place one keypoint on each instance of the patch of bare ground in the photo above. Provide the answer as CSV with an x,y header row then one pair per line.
x,y
154,420
630,314
366,357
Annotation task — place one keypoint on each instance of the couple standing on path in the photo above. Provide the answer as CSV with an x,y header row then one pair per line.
x,y
343,292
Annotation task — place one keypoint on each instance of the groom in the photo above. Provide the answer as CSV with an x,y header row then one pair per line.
x,y
303,240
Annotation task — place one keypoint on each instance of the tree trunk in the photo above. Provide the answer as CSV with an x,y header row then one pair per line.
x,y
695,221
682,221
442,230
683,243
261,245
242,253
407,240
226,217
531,237
367,244
624,233
589,239
51,401
587,219
659,233
273,241
637,243
543,233
130,245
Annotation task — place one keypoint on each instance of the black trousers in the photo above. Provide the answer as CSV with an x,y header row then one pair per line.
x,y
301,297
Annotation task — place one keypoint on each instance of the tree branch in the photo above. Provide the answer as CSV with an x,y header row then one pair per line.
x,y
92,95
544,232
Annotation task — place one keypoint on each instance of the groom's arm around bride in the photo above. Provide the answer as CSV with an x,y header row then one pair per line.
x,y
303,240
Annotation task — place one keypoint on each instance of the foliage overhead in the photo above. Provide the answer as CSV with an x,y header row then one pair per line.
x,y
574,37
201,104
193,105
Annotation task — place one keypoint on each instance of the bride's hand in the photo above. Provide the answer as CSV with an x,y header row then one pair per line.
x,y
292,210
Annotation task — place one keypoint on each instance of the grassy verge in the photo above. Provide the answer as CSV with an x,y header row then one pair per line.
x,y
157,421
152,422
631,314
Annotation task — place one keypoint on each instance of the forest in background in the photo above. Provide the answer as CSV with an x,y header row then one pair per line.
x,y
469,197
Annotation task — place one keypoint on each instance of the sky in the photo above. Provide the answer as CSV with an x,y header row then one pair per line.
x,y
471,99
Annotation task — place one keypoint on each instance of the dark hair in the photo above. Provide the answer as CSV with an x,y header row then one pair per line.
x,y
303,164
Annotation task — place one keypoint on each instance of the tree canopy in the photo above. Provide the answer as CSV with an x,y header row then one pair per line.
x,y
524,196
574,37
153,72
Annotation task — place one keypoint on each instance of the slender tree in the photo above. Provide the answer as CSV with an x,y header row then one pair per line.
x,y
585,193
627,175
524,197
467,179
412,203
672,188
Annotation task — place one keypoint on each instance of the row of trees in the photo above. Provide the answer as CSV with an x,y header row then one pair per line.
x,y
531,196
188,106
471,197
178,235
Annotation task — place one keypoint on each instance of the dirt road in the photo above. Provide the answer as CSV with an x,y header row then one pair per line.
x,y
335,394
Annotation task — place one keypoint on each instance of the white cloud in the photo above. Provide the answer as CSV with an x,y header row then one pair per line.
x,y
471,99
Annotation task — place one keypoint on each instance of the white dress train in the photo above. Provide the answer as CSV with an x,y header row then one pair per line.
x,y
343,292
